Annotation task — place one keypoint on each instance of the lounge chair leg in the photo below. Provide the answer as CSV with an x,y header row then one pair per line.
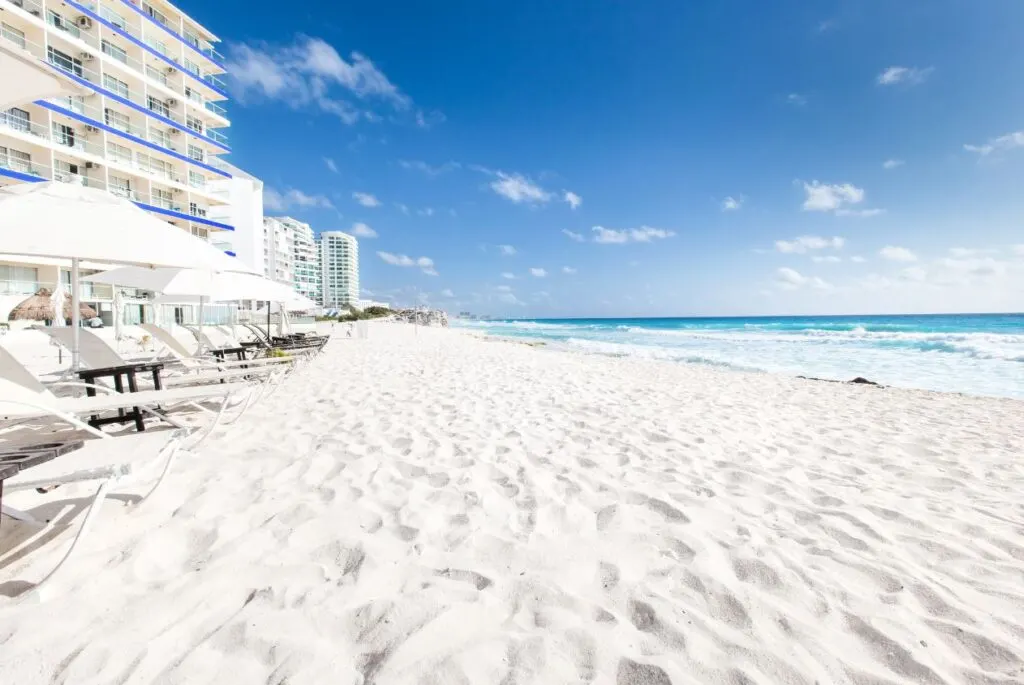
x,y
173,452
90,517
17,514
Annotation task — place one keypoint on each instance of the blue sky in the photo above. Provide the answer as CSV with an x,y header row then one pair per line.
x,y
646,158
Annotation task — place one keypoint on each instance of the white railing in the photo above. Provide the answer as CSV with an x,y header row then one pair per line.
x,y
23,287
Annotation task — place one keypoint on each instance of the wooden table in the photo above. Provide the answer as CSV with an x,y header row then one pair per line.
x,y
221,353
126,373
15,460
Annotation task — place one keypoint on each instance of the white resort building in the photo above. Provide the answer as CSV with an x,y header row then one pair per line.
x,y
148,125
339,262
291,255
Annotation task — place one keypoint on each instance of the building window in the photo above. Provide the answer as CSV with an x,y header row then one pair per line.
x,y
117,53
116,85
194,123
161,138
193,95
59,22
113,17
200,232
157,105
15,160
192,67
162,198
119,153
67,172
196,179
196,210
196,153
117,120
120,186
63,134
18,119
63,61
156,14
12,34
74,103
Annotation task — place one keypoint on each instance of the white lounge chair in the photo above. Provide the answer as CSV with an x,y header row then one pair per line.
x,y
97,354
23,396
112,461
189,360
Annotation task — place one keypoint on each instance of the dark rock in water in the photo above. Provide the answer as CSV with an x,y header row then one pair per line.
x,y
858,380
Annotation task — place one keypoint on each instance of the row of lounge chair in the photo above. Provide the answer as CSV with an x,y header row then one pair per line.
x,y
191,392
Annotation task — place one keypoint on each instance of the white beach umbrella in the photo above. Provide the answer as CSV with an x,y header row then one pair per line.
x,y
27,78
194,285
54,219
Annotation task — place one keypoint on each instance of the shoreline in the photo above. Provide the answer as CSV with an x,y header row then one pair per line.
x,y
555,347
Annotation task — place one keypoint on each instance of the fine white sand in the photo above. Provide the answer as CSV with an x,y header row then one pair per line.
x,y
427,507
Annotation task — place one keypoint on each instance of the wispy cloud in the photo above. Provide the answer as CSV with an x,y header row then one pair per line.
x,y
362,230
796,99
573,199
425,264
507,250
897,254
429,119
331,165
447,293
808,243
366,199
578,237
732,204
791,279
826,197
404,209
1000,144
508,276
519,189
911,76
644,234
826,259
569,271
427,169
537,272
426,211
892,164
860,212
278,202
311,73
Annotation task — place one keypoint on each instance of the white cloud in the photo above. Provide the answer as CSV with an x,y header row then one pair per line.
x,y
573,199
907,75
1018,250
860,212
897,254
426,211
917,274
425,264
966,252
827,259
892,163
807,243
427,169
279,202
404,209
731,204
447,293
508,275
366,199
796,99
430,119
509,298
538,272
790,279
578,237
858,259
1000,144
311,73
503,288
824,197
507,250
519,189
644,234
331,165
361,230
569,271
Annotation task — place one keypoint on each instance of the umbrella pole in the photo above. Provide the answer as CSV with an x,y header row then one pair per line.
x,y
268,319
76,315
201,299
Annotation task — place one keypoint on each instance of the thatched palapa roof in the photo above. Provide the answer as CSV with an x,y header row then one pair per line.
x,y
39,307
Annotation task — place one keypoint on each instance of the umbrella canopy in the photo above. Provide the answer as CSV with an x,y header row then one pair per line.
x,y
40,307
27,78
211,287
54,219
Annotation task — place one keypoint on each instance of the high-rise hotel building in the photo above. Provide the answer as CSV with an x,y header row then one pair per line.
x,y
149,124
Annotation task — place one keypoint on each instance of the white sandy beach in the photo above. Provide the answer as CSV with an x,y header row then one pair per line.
x,y
428,507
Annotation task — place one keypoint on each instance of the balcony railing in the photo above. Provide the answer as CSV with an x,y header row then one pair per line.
x,y
62,23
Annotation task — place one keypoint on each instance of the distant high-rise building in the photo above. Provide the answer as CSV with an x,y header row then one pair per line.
x,y
339,263
292,255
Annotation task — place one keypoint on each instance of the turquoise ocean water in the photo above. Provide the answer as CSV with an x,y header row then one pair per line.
x,y
979,354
